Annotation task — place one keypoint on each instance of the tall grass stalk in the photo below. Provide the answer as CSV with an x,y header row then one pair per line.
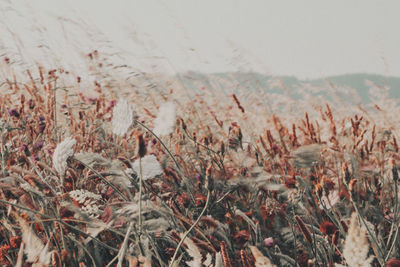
x,y
124,247
140,196
190,229
395,224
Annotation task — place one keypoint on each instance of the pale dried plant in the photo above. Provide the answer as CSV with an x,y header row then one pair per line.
x,y
150,167
193,252
356,247
84,196
329,201
208,261
123,117
36,252
92,209
165,122
62,152
261,260
218,260
89,201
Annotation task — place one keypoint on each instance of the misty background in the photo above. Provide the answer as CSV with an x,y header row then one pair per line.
x,y
318,43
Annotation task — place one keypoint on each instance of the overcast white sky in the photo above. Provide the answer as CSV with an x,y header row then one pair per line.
x,y
310,38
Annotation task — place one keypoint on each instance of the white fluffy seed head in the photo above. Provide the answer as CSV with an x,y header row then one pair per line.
x,y
122,117
150,167
356,247
165,122
62,152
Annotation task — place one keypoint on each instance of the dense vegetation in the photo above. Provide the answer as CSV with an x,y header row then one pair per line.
x,y
111,174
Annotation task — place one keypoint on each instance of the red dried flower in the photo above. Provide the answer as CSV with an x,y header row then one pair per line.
x,y
66,213
200,200
327,228
64,255
329,184
242,237
183,200
4,249
38,227
3,252
290,183
15,241
393,262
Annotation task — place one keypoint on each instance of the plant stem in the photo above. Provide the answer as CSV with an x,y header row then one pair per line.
x,y
395,219
190,229
122,251
140,196
3,162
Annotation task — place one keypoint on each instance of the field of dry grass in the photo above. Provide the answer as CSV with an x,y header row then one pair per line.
x,y
143,171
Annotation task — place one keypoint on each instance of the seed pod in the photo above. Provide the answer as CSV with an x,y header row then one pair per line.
x,y
346,172
352,185
209,183
140,146
394,171
184,127
222,149
303,228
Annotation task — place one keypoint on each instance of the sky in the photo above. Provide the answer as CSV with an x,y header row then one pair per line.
x,y
308,39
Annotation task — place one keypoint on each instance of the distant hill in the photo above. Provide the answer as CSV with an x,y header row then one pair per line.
x,y
359,82
250,81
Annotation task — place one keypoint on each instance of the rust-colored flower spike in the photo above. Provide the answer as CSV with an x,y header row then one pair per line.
x,y
238,103
303,228
183,124
346,173
140,146
224,253
209,183
352,185
222,148
245,258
